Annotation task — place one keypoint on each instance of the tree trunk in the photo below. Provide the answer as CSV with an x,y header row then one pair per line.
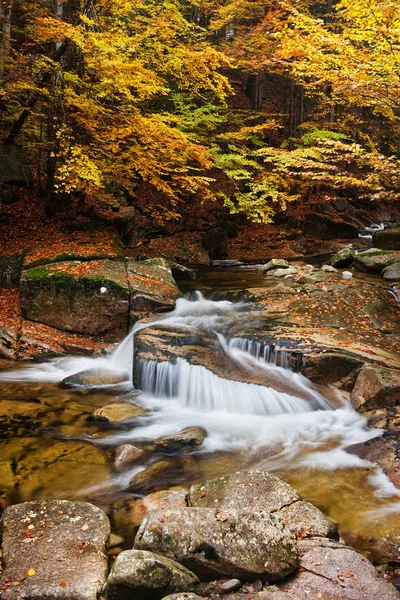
x,y
5,16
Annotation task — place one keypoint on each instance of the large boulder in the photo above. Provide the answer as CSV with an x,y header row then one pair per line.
x,y
375,260
325,228
327,367
343,258
264,493
376,387
387,239
147,576
152,287
214,543
336,571
54,549
83,297
392,272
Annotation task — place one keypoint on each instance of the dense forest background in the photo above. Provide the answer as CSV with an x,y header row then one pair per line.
x,y
168,105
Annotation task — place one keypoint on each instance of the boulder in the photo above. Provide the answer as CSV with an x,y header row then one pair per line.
x,y
327,367
262,492
275,263
328,269
10,270
216,243
387,239
375,260
343,258
186,440
126,455
324,228
214,543
54,549
336,571
95,377
147,576
180,272
392,272
83,297
115,413
152,287
376,387
282,272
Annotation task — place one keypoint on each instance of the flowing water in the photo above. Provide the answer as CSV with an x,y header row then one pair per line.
x,y
52,447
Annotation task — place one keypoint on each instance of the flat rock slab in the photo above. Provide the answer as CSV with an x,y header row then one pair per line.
x,y
337,571
54,549
263,492
147,576
84,297
214,543
151,285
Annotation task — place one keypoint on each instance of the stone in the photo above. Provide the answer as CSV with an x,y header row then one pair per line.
x,y
186,440
327,367
95,377
328,269
165,499
263,492
387,239
183,596
275,263
216,243
66,557
375,260
285,272
232,585
115,413
333,569
347,275
376,387
181,272
152,287
126,455
392,272
115,540
343,258
322,227
147,576
84,297
214,543
146,479
10,270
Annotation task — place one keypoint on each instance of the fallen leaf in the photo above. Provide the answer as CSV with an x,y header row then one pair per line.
x,y
31,572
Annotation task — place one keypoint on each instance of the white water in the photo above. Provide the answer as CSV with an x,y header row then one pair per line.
x,y
277,430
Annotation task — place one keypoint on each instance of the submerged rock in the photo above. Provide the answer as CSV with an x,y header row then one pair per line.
x,y
375,260
120,411
343,258
333,569
376,387
127,455
186,440
67,554
147,576
83,297
214,543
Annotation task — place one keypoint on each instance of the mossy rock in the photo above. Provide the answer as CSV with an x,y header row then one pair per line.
x,y
375,260
84,297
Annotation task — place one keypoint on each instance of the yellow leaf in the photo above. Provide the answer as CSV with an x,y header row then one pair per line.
x,y
31,572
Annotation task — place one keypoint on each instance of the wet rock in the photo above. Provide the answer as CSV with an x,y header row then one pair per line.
x,y
232,585
263,492
216,243
285,272
333,569
343,258
214,543
147,576
328,367
156,472
83,297
186,440
392,272
95,377
10,270
375,260
165,499
67,554
376,387
152,287
126,455
387,239
384,551
275,263
181,272
183,596
115,413
250,588
328,269
115,540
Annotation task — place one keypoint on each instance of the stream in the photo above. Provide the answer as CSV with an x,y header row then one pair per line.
x,y
52,447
